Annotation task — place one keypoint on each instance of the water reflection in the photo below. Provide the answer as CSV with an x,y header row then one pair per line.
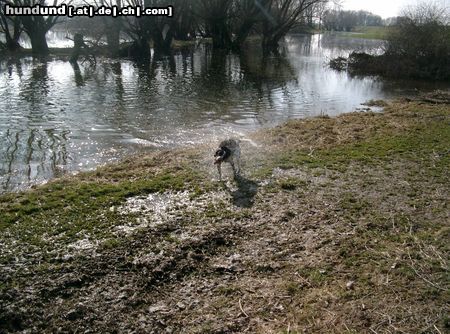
x,y
57,117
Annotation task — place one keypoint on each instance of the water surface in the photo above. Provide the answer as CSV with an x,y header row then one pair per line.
x,y
56,119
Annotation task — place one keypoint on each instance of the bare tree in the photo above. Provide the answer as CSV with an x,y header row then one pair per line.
x,y
112,26
229,22
216,15
422,33
320,10
11,27
346,20
280,17
137,29
36,26
161,28
250,12
186,22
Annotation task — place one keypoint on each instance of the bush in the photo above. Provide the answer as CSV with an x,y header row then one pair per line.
x,y
422,37
418,47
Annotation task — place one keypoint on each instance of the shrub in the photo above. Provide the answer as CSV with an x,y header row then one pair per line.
x,y
418,47
422,37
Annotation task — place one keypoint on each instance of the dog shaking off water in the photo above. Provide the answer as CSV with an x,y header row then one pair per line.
x,y
228,151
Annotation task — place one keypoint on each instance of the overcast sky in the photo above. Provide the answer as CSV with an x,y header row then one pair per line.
x,y
385,8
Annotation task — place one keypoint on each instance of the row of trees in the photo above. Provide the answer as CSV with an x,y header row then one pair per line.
x,y
346,20
227,22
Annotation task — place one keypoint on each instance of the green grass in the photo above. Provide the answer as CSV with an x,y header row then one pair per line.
x,y
69,207
291,183
369,32
421,140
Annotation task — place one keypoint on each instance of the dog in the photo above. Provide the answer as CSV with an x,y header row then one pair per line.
x,y
229,151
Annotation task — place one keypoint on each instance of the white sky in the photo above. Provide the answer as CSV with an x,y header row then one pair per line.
x,y
385,8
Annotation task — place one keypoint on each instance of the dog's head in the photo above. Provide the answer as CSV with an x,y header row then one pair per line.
x,y
221,154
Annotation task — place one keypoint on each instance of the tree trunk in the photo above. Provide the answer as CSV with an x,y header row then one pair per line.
x,y
269,45
114,28
272,38
183,35
12,39
113,41
12,44
242,35
162,44
220,35
140,50
78,45
38,42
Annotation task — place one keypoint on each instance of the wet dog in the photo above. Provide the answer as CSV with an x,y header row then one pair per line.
x,y
228,151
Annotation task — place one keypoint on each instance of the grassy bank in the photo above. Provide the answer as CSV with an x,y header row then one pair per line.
x,y
368,32
337,225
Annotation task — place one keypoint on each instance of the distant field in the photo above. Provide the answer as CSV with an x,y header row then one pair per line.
x,y
368,32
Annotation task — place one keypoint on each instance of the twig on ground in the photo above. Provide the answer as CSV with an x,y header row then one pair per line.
x,y
242,310
423,278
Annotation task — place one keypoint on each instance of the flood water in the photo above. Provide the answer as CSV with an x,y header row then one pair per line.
x,y
56,119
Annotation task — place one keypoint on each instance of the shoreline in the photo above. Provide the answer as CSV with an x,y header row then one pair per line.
x,y
315,236
368,106
100,50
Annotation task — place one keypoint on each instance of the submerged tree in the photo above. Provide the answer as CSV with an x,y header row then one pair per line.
x,y
36,26
229,22
162,28
112,26
137,30
251,12
215,14
185,22
11,28
280,17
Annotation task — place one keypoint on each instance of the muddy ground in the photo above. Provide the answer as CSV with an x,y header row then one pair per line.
x,y
337,225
